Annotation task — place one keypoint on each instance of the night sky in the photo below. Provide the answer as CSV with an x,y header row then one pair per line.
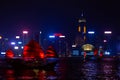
x,y
57,15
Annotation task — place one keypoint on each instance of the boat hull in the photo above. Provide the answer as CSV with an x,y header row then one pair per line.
x,y
29,64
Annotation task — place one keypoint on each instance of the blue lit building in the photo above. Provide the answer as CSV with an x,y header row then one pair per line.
x,y
58,41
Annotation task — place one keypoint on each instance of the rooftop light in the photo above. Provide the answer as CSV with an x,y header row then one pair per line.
x,y
108,32
51,36
91,32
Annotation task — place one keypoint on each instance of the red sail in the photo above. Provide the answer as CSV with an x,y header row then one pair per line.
x,y
9,54
33,50
51,52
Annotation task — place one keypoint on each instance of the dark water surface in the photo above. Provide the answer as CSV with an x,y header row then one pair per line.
x,y
68,69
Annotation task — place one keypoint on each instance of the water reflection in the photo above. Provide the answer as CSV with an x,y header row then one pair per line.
x,y
68,69
108,70
118,71
10,75
30,74
89,70
26,74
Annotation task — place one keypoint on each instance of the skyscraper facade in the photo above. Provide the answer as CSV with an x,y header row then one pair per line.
x,y
81,31
80,36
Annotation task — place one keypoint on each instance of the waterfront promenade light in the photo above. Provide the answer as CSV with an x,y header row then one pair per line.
x,y
73,46
107,53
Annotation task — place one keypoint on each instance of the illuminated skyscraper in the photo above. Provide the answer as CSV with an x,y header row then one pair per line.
x,y
81,31
80,36
25,37
58,41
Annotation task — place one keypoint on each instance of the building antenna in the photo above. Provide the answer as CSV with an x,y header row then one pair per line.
x,y
82,14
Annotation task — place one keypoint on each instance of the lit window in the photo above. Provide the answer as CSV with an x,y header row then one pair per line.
x,y
16,47
12,43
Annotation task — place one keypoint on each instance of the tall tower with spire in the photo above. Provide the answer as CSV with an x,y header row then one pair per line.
x,y
81,31
80,36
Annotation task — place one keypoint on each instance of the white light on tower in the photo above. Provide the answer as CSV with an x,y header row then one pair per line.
x,y
107,32
25,32
17,37
22,47
104,40
0,37
73,45
40,32
3,52
16,47
51,36
19,42
91,32
61,36
12,43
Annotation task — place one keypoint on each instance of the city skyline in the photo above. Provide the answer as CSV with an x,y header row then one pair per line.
x,y
57,16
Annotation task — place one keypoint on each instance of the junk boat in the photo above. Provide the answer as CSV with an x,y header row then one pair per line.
x,y
33,57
